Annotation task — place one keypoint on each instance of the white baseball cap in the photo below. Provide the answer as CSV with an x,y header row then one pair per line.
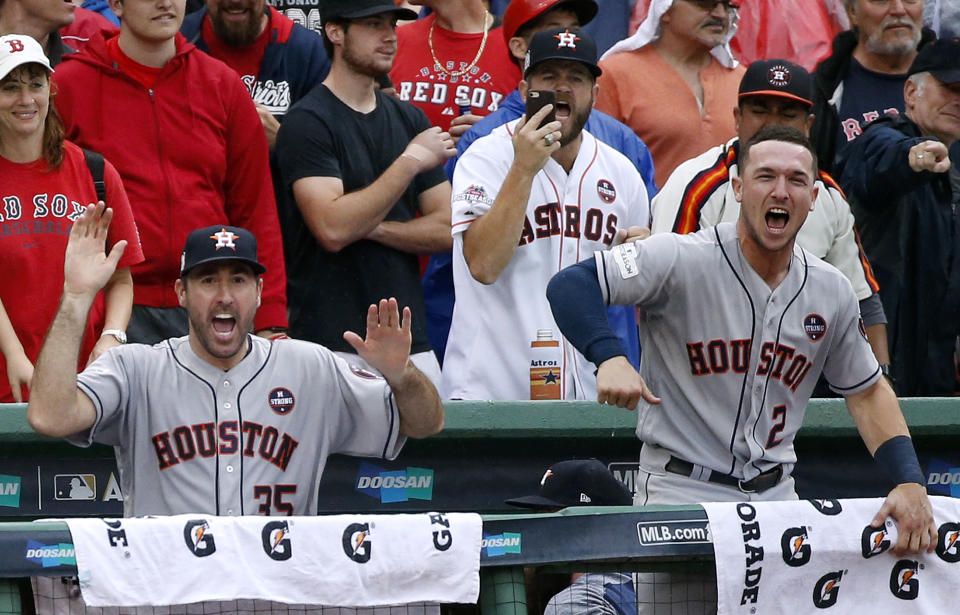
x,y
19,49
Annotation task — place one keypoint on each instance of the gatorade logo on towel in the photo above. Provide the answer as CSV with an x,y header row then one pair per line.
x,y
356,542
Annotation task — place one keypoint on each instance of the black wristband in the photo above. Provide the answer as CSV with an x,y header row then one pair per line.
x,y
899,460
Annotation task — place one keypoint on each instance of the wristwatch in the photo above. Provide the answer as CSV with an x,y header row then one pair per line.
x,y
887,371
120,336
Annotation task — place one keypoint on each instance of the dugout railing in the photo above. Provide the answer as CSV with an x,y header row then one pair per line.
x,y
611,538
489,452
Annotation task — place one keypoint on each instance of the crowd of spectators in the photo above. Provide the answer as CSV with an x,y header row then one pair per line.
x,y
196,143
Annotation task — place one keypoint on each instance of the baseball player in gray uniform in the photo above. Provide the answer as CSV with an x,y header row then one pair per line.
x,y
736,324
221,421
699,195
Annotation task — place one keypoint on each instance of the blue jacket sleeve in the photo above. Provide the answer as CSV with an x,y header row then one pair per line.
x,y
878,171
577,304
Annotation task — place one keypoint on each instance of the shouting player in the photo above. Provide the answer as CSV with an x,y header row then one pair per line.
x,y
530,198
737,323
213,422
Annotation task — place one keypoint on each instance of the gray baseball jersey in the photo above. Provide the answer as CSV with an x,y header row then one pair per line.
x,y
190,437
734,362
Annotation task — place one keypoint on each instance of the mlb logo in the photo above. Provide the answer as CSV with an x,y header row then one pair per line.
x,y
75,487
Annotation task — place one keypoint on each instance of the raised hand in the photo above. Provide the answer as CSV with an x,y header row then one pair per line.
x,y
531,145
387,346
87,267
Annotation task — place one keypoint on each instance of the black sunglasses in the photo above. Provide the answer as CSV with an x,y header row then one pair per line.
x,y
708,5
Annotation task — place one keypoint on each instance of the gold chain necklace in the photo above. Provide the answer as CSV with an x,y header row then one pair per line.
x,y
483,44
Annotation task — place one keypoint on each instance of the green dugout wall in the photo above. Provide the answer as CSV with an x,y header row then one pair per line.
x,y
487,452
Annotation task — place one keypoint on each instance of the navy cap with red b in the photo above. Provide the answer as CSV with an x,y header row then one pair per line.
x,y
219,243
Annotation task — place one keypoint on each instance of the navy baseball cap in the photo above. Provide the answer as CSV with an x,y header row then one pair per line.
x,y
561,44
577,482
219,243
941,58
777,78
355,9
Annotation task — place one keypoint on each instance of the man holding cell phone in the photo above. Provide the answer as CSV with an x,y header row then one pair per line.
x,y
533,196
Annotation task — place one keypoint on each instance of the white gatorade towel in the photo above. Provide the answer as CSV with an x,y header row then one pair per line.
x,y
821,556
345,560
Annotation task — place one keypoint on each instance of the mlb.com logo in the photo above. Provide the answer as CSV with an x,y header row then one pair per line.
x,y
395,485
495,545
943,478
10,491
49,556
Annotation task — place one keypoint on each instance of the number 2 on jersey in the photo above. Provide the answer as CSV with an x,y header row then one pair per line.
x,y
780,416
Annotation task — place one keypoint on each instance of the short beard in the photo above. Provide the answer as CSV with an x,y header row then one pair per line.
x,y
875,44
239,35
579,121
361,65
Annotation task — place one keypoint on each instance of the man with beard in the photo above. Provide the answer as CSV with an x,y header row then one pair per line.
x,y
521,20
532,197
278,60
212,422
363,170
864,76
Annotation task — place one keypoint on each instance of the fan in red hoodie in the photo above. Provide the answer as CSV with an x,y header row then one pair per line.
x,y
184,134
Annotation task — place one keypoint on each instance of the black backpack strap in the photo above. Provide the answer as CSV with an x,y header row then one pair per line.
x,y
96,163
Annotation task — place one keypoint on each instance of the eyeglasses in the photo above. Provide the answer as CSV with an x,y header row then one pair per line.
x,y
707,5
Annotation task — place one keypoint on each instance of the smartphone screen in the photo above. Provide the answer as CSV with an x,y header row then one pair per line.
x,y
536,99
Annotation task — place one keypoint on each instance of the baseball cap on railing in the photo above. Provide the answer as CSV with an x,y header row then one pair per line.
x,y
577,482
941,58
777,78
19,49
219,243
355,9
561,44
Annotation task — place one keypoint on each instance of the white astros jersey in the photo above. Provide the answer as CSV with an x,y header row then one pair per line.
x,y
190,437
733,362
568,217
699,195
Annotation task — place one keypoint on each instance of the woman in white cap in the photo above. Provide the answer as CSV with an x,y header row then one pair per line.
x,y
45,182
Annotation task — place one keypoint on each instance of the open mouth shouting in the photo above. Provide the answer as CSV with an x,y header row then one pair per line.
x,y
776,220
224,325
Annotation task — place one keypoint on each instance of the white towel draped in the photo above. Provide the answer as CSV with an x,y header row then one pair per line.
x,y
345,560
820,556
